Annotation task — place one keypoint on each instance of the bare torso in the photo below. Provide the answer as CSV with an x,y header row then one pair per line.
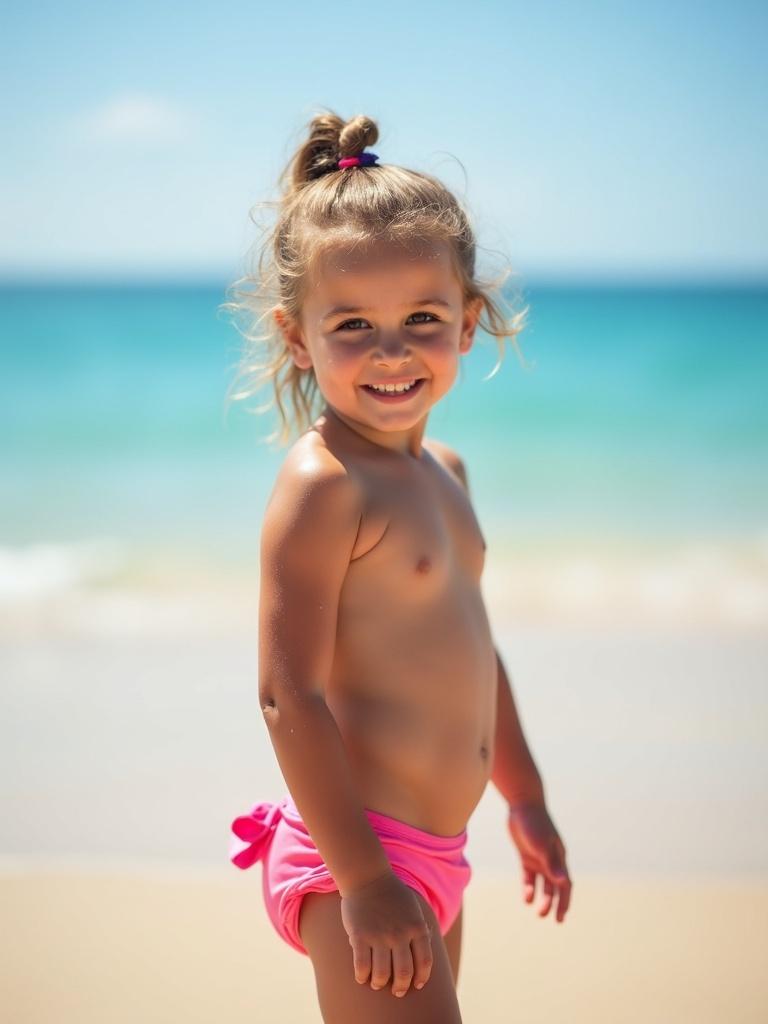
x,y
414,675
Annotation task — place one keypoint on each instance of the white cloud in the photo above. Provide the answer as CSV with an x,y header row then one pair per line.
x,y
136,118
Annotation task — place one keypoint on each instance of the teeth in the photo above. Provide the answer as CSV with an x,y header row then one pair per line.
x,y
393,387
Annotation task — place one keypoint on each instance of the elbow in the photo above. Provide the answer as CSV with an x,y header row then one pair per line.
x,y
275,712
269,698
268,690
275,700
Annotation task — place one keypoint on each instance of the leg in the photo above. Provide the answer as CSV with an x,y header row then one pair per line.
x,y
344,1000
452,941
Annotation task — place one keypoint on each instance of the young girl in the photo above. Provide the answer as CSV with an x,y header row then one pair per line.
x,y
385,700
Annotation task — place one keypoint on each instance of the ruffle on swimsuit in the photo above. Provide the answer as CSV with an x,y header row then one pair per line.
x,y
253,833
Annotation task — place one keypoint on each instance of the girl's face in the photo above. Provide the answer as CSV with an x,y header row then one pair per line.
x,y
390,316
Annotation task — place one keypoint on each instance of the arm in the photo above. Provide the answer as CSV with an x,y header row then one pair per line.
x,y
308,534
514,772
516,777
542,851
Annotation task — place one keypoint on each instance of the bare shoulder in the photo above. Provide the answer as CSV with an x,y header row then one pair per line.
x,y
310,469
313,492
449,458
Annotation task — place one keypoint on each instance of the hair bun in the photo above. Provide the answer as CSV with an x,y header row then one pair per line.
x,y
320,152
330,139
357,135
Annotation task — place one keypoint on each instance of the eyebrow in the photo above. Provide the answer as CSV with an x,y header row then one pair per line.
x,y
343,310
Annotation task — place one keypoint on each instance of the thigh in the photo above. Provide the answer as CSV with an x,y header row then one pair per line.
x,y
344,1000
453,944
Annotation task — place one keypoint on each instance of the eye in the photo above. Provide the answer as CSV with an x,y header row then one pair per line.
x,y
358,320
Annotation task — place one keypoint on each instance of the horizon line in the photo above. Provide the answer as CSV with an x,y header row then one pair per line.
x,y
539,279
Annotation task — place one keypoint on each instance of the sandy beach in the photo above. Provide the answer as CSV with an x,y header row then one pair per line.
x,y
121,948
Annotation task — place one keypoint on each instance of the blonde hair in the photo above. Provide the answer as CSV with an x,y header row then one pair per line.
x,y
322,207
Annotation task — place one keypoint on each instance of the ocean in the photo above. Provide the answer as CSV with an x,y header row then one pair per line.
x,y
620,481
637,428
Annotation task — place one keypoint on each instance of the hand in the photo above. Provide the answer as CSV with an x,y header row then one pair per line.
x,y
541,850
387,930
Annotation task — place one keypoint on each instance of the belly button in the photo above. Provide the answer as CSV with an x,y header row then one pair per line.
x,y
423,565
483,751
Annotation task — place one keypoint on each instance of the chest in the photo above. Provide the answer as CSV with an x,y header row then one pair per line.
x,y
422,530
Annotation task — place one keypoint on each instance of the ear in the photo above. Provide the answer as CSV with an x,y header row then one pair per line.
x,y
469,320
294,339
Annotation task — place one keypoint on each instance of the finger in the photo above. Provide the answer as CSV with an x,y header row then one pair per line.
x,y
381,969
529,885
565,899
558,874
361,961
422,957
548,894
402,969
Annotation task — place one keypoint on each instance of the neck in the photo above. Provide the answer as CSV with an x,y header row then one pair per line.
x,y
406,442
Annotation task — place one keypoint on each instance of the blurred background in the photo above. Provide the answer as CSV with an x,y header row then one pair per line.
x,y
616,159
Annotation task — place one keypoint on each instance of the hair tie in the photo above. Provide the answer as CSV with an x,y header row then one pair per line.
x,y
364,160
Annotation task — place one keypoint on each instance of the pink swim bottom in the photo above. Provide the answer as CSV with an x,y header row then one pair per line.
x,y
275,834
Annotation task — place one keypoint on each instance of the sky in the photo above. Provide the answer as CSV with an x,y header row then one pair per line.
x,y
590,140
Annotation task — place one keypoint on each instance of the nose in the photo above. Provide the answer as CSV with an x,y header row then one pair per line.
x,y
392,351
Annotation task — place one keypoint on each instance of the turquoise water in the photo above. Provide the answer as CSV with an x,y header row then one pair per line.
x,y
643,419
644,416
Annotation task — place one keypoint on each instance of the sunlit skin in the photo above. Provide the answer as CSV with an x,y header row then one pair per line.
x,y
417,688
393,334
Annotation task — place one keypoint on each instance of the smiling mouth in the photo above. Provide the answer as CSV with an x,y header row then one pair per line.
x,y
391,394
